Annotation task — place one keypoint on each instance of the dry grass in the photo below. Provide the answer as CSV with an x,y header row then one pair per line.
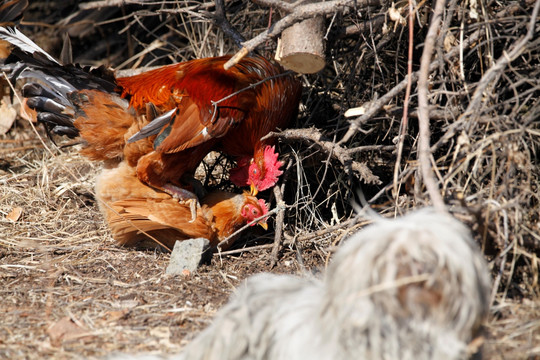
x,y
58,260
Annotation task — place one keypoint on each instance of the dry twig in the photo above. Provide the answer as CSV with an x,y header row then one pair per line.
x,y
424,153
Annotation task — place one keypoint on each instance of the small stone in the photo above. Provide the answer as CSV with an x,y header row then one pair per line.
x,y
187,255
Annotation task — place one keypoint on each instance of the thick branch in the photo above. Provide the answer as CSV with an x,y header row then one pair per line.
x,y
278,4
424,153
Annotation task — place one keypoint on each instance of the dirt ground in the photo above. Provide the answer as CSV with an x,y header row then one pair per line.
x,y
68,292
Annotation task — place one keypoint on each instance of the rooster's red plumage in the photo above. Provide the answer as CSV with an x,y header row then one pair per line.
x,y
183,111
173,117
214,108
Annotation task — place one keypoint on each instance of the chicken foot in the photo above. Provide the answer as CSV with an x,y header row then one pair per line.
x,y
184,196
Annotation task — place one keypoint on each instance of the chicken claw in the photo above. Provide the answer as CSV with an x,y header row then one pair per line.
x,y
184,197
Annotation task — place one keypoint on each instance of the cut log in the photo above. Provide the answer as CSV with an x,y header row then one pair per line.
x,y
301,47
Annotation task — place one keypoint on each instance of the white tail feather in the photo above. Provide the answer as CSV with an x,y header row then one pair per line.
x,y
18,39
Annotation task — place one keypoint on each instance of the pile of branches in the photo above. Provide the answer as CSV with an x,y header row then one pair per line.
x,y
457,82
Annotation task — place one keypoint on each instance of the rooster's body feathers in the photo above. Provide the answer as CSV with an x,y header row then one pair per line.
x,y
195,105
186,111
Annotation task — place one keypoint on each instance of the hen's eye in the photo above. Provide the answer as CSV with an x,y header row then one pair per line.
x,y
255,211
254,171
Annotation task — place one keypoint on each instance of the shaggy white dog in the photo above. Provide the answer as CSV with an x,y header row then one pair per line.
x,y
410,288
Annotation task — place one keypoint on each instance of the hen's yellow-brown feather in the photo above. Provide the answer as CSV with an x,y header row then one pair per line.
x,y
132,209
134,216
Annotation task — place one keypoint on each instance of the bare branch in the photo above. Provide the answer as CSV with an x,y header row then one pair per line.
x,y
280,217
220,19
424,154
376,106
405,115
341,154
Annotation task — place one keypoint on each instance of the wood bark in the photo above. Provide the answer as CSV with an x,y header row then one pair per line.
x,y
301,47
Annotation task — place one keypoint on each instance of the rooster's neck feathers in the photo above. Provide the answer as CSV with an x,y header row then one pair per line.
x,y
240,174
272,166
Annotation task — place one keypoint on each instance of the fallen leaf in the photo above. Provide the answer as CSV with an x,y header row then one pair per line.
x,y
7,115
355,111
395,15
117,315
66,329
27,113
14,214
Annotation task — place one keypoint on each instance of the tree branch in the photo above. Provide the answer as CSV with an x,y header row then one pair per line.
x,y
424,153
344,156
497,69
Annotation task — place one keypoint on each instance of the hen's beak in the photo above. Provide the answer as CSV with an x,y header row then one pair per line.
x,y
254,190
263,224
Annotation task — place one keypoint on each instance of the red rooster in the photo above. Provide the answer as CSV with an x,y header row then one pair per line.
x,y
78,102
214,108
183,111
